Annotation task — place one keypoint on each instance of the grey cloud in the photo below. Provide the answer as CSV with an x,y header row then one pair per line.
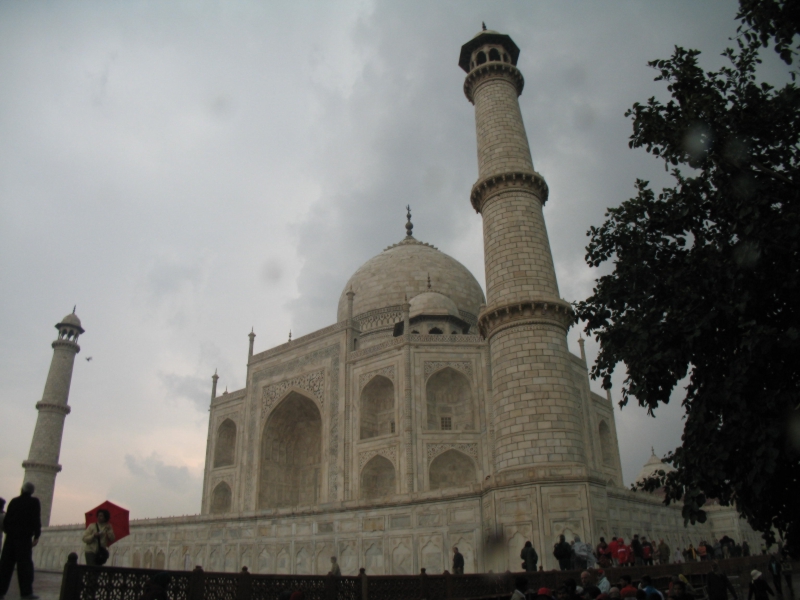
x,y
152,469
166,278
271,271
194,389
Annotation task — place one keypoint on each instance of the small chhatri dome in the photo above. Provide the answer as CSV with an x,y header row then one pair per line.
x,y
652,465
487,36
402,270
71,320
432,303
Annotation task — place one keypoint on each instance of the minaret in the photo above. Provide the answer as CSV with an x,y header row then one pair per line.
x,y
42,464
537,409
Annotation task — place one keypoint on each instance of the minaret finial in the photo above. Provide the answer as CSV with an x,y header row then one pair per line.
x,y
483,25
409,224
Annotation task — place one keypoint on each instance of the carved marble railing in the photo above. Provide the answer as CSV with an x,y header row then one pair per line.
x,y
416,339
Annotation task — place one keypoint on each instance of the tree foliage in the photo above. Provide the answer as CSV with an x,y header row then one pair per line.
x,y
706,283
769,21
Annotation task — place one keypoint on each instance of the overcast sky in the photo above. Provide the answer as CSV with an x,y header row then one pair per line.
x,y
183,171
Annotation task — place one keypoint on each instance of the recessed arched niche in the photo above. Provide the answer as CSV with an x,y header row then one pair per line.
x,y
450,405
291,454
377,407
606,445
221,499
451,469
225,446
378,478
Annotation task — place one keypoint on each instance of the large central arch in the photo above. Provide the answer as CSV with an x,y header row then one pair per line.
x,y
291,454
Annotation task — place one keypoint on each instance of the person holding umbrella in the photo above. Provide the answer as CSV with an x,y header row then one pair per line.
x,y
97,538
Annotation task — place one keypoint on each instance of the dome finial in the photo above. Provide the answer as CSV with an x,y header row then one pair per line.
x,y
409,224
290,335
483,25
74,308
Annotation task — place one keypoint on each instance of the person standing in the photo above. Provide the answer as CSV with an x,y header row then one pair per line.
x,y
613,546
529,557
759,588
786,567
663,552
691,554
458,561
647,552
335,570
582,554
603,554
775,570
718,585
22,526
636,548
623,552
98,535
563,553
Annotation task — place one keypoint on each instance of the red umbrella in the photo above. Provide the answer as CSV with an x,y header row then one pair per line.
x,y
119,518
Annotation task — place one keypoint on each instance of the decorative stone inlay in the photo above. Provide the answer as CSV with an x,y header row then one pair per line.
x,y
492,70
38,466
364,378
340,326
66,344
464,366
434,450
313,383
415,339
227,478
468,317
48,406
381,317
552,312
389,452
292,366
232,415
489,186
446,339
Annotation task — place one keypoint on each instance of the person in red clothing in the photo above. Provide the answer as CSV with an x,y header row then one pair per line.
x,y
613,546
624,555
626,588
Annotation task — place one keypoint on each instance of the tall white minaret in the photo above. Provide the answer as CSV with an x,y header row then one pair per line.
x,y
42,464
538,410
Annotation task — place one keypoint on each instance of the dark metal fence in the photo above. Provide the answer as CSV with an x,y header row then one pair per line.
x,y
81,582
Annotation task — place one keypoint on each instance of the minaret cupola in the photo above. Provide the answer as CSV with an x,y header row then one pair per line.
x,y
488,46
70,327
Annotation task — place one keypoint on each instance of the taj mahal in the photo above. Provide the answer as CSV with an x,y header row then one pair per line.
x,y
429,415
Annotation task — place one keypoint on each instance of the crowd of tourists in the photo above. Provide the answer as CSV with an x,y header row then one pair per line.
x,y
641,551
595,585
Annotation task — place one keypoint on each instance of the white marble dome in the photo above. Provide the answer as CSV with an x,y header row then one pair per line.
x,y
432,303
652,465
402,271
